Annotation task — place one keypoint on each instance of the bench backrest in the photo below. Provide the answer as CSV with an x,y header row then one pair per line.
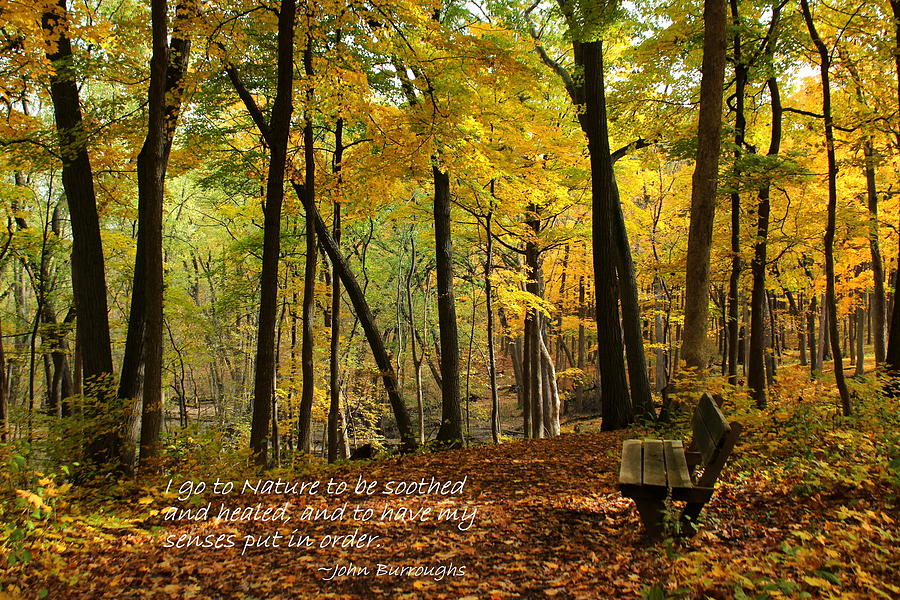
x,y
714,438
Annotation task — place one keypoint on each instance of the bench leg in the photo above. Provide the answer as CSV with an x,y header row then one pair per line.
x,y
689,518
651,511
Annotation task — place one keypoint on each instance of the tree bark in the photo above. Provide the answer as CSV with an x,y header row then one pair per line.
x,y
450,433
334,368
615,398
489,309
277,138
830,303
304,428
703,189
878,312
740,126
756,378
88,272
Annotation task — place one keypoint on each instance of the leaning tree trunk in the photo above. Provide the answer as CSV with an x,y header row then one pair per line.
x,y
88,272
703,188
830,303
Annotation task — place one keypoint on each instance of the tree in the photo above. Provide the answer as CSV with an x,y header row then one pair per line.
x,y
88,272
144,340
276,132
703,189
830,302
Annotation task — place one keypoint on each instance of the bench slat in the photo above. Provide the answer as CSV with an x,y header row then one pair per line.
x,y
713,418
630,469
676,465
654,463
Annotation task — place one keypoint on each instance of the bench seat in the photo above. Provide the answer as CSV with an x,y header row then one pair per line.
x,y
653,470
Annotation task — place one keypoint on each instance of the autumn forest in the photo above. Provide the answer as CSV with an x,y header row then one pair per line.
x,y
268,237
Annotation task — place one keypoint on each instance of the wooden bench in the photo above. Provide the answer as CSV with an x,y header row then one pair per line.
x,y
651,470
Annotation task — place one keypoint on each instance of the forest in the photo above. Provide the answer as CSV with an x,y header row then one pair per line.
x,y
249,238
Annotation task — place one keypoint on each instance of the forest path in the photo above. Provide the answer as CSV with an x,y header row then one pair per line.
x,y
550,523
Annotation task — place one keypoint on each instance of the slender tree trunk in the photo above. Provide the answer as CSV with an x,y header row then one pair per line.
x,y
703,189
489,309
617,406
830,302
756,379
88,273
878,312
4,399
811,334
334,371
892,355
309,278
740,126
450,433
278,133
860,339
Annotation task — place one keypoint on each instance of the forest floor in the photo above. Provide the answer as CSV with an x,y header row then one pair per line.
x,y
808,508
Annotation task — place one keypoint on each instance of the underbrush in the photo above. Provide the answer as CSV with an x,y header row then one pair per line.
x,y
807,506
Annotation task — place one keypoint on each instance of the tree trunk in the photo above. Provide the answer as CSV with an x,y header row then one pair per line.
x,y
860,339
756,379
740,126
831,304
811,334
88,274
4,399
304,428
489,309
277,138
334,368
450,433
703,188
617,407
878,313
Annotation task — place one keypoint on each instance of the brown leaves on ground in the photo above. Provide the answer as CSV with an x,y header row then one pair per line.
x,y
550,524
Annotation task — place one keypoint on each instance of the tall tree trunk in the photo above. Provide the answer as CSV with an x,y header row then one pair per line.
x,y
892,355
740,126
4,399
278,133
831,304
703,189
756,378
878,312
811,334
489,309
617,406
334,368
88,273
450,433
533,357
860,339
309,277
168,65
